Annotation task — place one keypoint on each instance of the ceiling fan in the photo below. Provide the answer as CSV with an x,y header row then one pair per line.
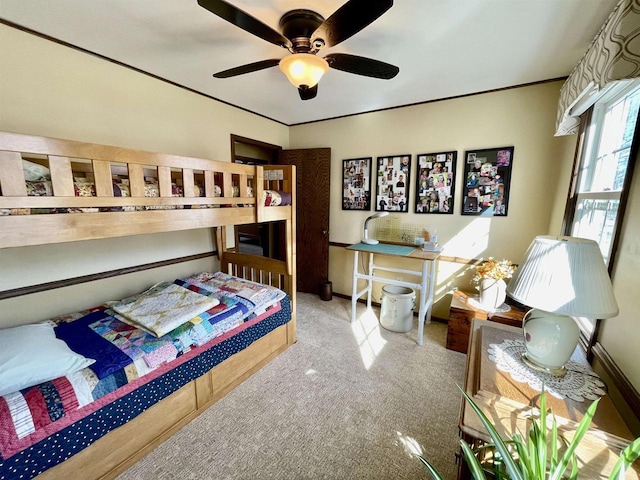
x,y
304,33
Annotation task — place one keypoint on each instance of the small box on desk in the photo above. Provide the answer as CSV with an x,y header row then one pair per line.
x,y
461,313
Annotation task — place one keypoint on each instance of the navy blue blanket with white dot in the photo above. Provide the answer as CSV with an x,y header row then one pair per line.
x,y
71,440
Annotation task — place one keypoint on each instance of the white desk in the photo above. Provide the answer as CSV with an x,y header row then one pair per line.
x,y
425,287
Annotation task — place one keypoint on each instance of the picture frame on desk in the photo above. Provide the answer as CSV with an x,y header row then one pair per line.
x,y
393,180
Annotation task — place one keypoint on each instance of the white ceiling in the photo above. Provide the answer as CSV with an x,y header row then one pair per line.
x,y
444,48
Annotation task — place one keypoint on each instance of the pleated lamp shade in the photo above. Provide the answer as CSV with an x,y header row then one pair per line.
x,y
564,275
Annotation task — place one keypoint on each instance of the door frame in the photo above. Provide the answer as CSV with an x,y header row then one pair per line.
x,y
264,146
272,236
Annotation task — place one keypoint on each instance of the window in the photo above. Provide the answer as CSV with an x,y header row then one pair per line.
x,y
602,170
601,178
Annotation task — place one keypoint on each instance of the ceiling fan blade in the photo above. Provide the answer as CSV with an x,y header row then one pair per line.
x,y
362,66
248,68
245,21
307,93
349,19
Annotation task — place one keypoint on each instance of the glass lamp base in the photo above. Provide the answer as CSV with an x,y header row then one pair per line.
x,y
550,339
555,371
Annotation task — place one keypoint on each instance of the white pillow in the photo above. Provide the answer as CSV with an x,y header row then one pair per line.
x,y
31,354
34,172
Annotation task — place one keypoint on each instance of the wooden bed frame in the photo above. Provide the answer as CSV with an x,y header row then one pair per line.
x,y
121,448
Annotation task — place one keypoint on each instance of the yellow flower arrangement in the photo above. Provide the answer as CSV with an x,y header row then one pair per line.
x,y
490,268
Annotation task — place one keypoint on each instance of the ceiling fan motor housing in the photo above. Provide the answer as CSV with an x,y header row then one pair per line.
x,y
298,26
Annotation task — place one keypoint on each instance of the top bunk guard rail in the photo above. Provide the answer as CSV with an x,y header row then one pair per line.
x,y
187,192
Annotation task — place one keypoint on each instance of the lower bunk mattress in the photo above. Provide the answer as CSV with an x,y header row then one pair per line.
x,y
43,425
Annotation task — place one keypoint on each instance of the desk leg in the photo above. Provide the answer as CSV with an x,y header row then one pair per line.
x,y
432,269
370,282
424,299
354,293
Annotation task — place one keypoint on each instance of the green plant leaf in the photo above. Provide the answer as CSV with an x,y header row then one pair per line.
x,y
472,462
523,455
531,447
541,445
583,426
517,459
627,457
574,467
534,449
509,462
554,441
434,473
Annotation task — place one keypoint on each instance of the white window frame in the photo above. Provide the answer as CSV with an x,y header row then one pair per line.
x,y
588,147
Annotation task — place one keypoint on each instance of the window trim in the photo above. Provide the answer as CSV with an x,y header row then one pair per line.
x,y
588,131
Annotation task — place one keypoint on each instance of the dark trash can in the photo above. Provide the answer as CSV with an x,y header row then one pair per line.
x,y
326,291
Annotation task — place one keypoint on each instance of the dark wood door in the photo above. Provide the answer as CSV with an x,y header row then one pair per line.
x,y
313,168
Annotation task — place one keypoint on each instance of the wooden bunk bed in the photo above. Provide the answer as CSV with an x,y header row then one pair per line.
x,y
190,193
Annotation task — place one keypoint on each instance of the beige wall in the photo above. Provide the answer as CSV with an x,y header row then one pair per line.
x,y
522,117
620,336
48,89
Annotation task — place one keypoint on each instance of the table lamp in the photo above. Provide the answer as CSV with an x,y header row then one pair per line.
x,y
560,278
365,238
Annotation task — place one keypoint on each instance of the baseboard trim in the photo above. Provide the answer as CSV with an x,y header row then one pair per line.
x,y
628,392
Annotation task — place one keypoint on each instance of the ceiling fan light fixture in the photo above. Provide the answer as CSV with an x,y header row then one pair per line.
x,y
303,69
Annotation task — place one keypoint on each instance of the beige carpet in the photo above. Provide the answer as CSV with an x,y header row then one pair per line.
x,y
344,402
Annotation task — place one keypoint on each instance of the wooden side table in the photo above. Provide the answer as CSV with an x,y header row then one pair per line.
x,y
462,313
507,403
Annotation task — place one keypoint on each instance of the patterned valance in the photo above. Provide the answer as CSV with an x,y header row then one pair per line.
x,y
613,56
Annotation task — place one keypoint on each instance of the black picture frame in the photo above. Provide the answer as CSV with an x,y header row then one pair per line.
x,y
486,182
356,182
436,182
393,182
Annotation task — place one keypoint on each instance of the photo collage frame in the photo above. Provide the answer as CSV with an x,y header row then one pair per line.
x,y
435,185
392,183
356,184
485,183
487,177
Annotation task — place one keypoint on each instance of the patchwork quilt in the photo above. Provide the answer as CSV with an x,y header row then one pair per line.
x,y
128,357
164,307
61,435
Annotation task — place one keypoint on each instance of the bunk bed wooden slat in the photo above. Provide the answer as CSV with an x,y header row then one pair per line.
x,y
136,180
164,181
102,175
188,183
11,176
61,176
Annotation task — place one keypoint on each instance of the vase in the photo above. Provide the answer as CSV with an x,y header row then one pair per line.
x,y
493,293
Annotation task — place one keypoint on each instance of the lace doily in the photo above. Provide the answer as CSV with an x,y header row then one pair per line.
x,y
579,384
475,303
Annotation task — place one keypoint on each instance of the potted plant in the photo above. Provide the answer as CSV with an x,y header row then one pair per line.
x,y
490,280
536,457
